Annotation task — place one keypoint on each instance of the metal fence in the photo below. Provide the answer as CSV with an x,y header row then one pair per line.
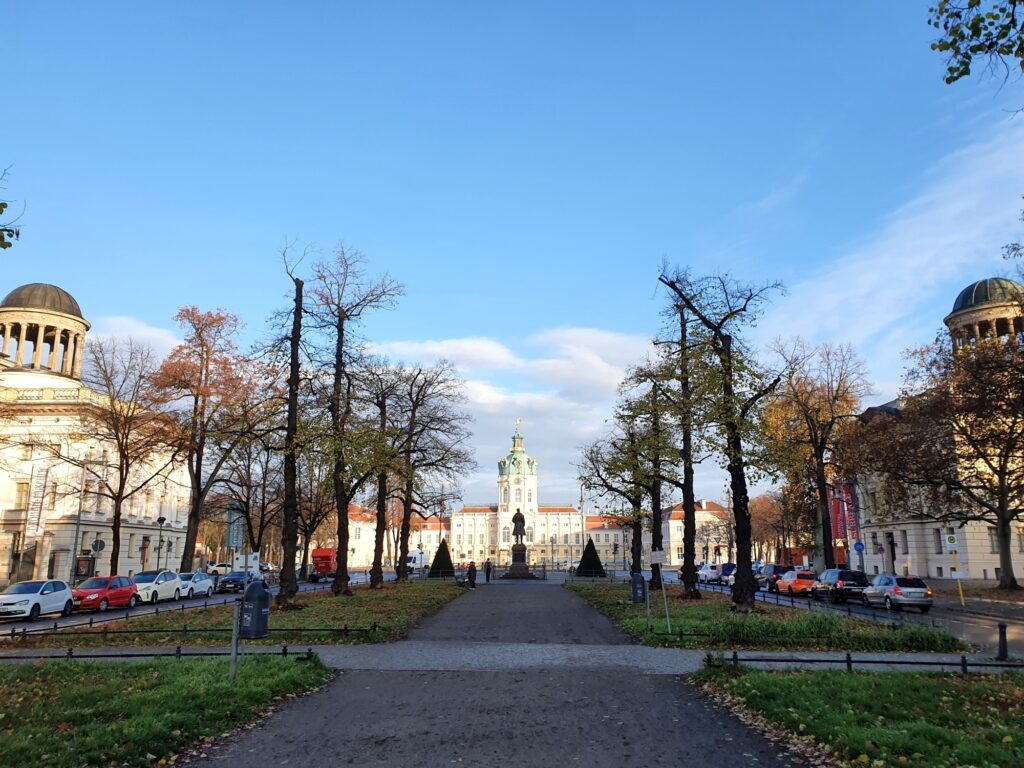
x,y
964,664
70,654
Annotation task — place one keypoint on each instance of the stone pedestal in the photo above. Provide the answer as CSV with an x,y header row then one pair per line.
x,y
519,568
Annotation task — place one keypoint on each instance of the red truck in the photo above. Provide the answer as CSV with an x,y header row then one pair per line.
x,y
325,564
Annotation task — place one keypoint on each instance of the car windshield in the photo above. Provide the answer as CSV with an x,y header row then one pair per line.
x,y
146,577
184,576
805,575
236,575
94,584
855,576
23,588
917,583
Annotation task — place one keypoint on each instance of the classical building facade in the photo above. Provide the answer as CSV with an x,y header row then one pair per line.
x,y
913,544
49,515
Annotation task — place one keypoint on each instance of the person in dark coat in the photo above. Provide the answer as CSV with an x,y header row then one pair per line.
x,y
471,575
487,569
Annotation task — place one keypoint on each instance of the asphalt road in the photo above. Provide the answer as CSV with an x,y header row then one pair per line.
x,y
491,680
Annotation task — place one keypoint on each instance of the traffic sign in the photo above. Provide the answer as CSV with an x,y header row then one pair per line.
x,y
858,546
657,557
98,545
952,545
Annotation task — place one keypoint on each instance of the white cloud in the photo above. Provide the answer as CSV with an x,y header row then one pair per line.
x,y
161,340
468,354
886,287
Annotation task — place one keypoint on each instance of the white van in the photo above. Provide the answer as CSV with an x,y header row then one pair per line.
x,y
416,560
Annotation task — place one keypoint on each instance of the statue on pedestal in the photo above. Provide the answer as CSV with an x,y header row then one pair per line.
x,y
518,527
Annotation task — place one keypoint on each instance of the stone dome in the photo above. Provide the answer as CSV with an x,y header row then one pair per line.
x,y
42,296
993,290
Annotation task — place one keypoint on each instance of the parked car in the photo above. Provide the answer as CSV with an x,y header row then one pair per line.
x,y
839,584
197,583
894,592
725,570
707,573
30,599
158,585
102,592
796,582
771,573
237,581
220,569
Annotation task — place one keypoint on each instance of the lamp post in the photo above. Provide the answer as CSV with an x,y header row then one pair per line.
x,y
552,540
160,544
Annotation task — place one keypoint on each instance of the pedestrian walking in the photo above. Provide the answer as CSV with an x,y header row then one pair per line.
x,y
471,575
487,570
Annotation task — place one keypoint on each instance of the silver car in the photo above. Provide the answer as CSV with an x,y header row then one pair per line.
x,y
894,592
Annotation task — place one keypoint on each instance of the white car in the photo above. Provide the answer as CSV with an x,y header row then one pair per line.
x,y
30,599
157,585
196,584
220,569
708,573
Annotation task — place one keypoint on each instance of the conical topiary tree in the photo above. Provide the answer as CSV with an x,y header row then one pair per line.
x,y
442,565
590,563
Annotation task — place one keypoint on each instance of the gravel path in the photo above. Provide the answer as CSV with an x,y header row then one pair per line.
x,y
508,675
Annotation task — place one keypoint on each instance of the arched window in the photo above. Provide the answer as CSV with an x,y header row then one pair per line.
x,y
519,494
504,495
506,535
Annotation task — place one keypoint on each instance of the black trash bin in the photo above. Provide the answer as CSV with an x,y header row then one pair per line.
x,y
254,622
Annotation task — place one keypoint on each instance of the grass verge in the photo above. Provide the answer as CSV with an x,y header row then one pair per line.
x,y
710,624
73,714
885,719
394,609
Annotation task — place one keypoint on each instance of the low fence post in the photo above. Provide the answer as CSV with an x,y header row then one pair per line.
x,y
284,650
71,653
849,662
963,664
735,659
1004,651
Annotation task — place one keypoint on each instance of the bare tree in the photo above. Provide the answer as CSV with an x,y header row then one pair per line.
x,y
138,444
721,305
341,296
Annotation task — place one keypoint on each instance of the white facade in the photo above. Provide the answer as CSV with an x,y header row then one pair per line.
x,y
43,499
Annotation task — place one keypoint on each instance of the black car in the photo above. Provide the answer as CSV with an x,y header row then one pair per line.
x,y
838,584
770,574
236,581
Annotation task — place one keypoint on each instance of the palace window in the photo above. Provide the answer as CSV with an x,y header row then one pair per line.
x,y
903,543
565,538
937,540
21,495
506,535
529,494
51,499
355,533
504,495
993,541
519,494
529,533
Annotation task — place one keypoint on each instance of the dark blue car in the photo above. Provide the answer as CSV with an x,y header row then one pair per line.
x,y
236,581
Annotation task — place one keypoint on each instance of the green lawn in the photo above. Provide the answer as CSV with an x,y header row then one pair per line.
x,y
135,713
394,609
715,627
888,718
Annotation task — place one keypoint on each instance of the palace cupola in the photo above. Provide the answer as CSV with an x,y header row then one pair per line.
x,y
43,330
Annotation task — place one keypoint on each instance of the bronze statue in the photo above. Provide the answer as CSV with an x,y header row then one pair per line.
x,y
518,527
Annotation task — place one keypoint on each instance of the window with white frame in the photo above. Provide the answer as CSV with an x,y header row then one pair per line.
x,y
21,495
993,541
937,540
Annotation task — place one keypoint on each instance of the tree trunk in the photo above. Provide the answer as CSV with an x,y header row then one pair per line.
x,y
636,548
406,529
341,500
115,545
377,570
824,517
745,587
1003,535
689,501
290,509
655,490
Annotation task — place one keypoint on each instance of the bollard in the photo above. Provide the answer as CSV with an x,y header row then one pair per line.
x,y
284,650
963,664
1004,653
849,662
735,659
177,652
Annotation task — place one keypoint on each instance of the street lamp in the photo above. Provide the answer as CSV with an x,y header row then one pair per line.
x,y
552,553
160,544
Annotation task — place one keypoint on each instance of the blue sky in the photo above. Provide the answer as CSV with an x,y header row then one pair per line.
x,y
521,168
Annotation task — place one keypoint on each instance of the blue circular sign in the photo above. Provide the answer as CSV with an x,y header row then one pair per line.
x,y
859,546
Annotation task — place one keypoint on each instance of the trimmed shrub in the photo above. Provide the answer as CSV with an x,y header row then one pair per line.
x,y
442,565
590,563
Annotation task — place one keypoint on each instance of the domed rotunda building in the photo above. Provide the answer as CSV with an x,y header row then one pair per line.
x,y
54,522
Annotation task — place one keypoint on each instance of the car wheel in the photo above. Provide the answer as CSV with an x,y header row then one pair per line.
x,y
104,605
177,595
815,595
864,599
133,601
68,608
190,593
153,599
831,596
888,603
790,590
209,592
34,612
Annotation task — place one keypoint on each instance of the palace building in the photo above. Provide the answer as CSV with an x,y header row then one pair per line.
x,y
48,515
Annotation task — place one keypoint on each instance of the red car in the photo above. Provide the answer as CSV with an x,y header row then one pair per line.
x,y
102,592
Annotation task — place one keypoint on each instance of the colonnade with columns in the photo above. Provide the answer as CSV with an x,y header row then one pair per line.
x,y
966,329
62,339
